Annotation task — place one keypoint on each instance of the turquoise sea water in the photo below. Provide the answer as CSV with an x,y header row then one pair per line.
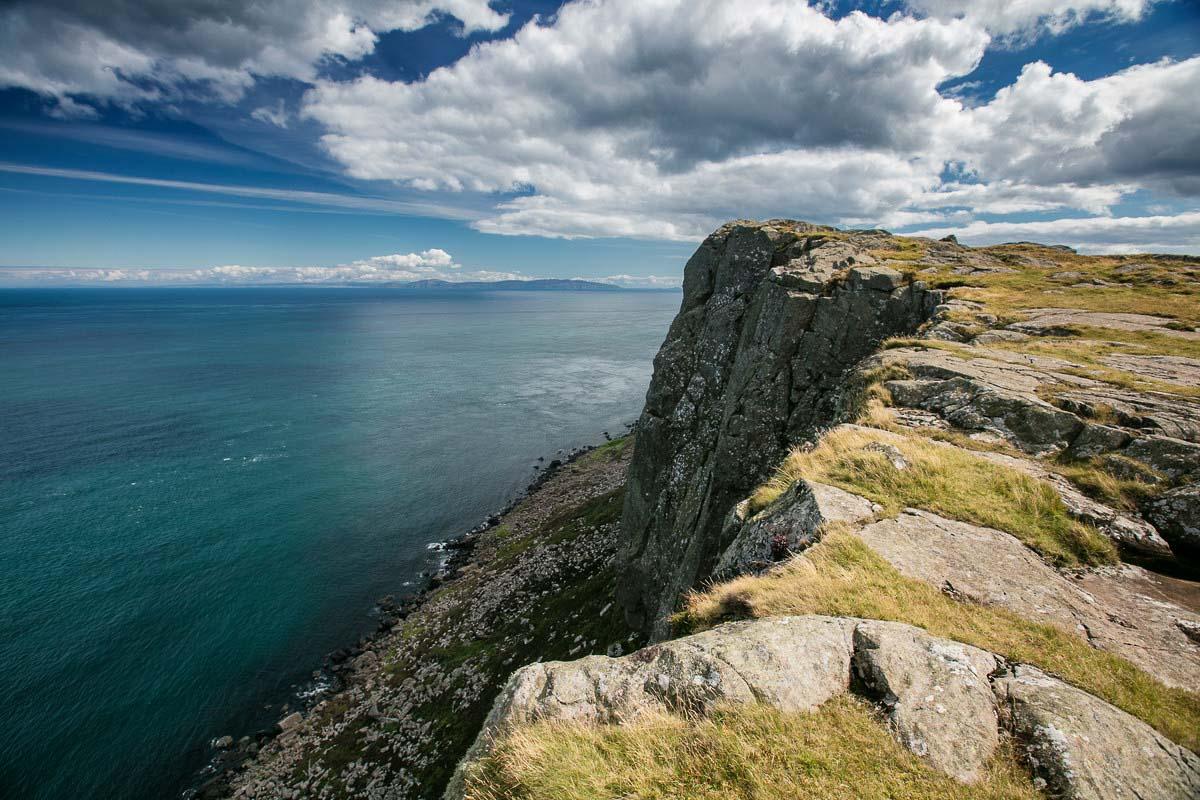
x,y
204,490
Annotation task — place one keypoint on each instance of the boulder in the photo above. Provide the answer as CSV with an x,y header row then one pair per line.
x,y
789,525
936,694
1087,749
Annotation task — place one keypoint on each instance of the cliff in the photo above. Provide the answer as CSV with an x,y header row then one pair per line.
x,y
900,518
911,474
773,317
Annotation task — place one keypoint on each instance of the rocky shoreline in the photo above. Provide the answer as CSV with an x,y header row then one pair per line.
x,y
342,667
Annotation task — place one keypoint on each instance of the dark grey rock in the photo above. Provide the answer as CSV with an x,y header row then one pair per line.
x,y
755,361
1176,515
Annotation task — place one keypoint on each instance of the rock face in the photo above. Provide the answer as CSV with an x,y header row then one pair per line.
x,y
773,316
1177,515
945,701
990,567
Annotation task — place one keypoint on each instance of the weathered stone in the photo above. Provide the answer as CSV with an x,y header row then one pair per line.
x,y
789,525
990,567
1029,422
291,722
1176,514
789,663
1052,321
750,365
1174,458
1095,439
936,693
1087,749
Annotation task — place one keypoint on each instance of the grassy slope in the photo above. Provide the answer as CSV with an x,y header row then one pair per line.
x,y
950,482
840,750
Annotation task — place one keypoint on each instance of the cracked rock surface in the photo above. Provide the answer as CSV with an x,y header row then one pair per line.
x,y
945,701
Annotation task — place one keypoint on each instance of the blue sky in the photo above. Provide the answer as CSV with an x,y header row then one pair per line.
x,y
211,141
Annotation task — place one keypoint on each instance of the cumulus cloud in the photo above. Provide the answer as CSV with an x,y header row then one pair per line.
x,y
126,51
1138,125
432,264
656,117
661,118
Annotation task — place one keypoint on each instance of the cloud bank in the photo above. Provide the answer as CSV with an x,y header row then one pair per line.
x,y
660,119
432,264
131,51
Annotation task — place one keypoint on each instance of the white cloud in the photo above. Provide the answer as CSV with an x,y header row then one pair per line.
x,y
660,119
654,118
276,114
1026,18
1138,125
154,49
1161,233
432,264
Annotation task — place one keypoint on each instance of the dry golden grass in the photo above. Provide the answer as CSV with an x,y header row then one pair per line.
x,y
840,750
947,481
842,576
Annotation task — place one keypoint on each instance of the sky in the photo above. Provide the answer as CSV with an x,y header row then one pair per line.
x,y
178,142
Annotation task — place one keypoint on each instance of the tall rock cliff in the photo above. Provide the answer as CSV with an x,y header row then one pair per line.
x,y
774,314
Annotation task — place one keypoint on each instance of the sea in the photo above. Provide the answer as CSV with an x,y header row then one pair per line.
x,y
204,491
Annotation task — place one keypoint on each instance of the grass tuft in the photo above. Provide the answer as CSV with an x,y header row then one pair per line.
x,y
947,481
840,750
842,576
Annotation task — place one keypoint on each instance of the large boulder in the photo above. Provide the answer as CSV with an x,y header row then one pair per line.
x,y
1086,749
774,316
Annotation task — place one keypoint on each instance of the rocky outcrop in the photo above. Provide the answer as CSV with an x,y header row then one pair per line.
x,y
989,567
1085,748
774,315
788,525
936,694
945,701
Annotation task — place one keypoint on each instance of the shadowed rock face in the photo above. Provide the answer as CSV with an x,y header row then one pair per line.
x,y
774,314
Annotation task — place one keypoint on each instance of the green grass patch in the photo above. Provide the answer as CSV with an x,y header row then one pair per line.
x,y
842,576
840,750
947,481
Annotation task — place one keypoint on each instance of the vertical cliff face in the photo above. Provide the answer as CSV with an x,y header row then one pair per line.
x,y
774,314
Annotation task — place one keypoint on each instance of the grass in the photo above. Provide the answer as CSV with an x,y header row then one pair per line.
x,y
839,750
842,576
946,481
1097,482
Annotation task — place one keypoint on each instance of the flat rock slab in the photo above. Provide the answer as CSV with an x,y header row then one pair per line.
x,y
991,567
1086,749
1172,369
1050,320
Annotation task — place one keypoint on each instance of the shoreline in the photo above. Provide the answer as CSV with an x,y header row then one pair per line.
x,y
229,754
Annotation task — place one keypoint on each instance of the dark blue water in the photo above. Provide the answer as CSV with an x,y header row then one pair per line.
x,y
203,491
